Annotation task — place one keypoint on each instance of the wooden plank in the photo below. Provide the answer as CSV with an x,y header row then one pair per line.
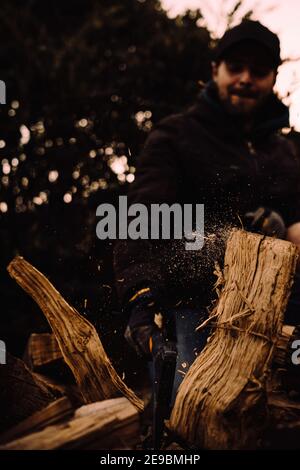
x,y
110,424
54,412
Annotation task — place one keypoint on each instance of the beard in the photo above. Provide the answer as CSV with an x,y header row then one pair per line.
x,y
242,102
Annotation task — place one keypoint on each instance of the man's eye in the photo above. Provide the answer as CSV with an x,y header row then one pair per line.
x,y
235,67
260,71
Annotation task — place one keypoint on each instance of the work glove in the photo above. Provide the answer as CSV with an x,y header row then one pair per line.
x,y
265,221
141,324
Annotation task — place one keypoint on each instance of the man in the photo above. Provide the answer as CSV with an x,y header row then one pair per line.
x,y
227,153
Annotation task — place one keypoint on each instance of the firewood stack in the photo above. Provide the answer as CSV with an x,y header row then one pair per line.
x,y
52,416
241,392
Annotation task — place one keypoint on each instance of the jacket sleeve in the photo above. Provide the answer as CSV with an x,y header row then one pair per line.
x,y
137,263
290,207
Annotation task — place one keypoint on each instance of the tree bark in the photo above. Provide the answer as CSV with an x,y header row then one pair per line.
x,y
222,402
77,338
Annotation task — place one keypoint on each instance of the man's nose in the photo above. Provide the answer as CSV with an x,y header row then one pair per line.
x,y
246,76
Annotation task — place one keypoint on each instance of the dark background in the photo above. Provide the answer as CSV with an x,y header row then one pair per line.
x,y
86,80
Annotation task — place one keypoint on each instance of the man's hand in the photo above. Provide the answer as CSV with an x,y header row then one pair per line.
x,y
267,222
139,339
141,325
293,234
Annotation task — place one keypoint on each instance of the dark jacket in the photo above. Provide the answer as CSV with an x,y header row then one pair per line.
x,y
204,156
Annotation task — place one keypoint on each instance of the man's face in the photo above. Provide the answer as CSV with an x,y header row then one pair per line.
x,y
244,78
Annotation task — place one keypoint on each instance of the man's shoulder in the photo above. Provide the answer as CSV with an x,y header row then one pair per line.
x,y
284,143
171,122
175,125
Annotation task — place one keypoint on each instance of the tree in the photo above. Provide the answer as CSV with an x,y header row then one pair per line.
x,y
86,81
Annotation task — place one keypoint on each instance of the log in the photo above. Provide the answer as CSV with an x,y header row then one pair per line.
x,y
77,338
222,402
282,356
43,355
22,393
54,412
283,431
69,390
42,350
109,424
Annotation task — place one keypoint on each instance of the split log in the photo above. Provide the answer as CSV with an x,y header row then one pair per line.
x,y
69,390
22,393
282,356
222,404
54,412
77,338
110,424
43,355
41,350
283,431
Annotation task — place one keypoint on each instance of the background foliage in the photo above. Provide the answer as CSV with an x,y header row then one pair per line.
x,y
86,80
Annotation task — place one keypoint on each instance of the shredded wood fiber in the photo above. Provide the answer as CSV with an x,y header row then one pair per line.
x,y
221,404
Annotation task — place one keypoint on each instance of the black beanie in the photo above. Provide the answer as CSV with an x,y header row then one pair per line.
x,y
253,30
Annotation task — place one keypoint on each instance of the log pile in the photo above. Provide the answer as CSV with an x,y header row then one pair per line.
x,y
57,410
108,424
77,338
22,392
240,393
44,418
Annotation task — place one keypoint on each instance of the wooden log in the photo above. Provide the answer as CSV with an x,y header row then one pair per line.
x,y
77,338
283,431
283,395
221,404
110,424
42,349
43,355
282,356
54,412
70,390
22,393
